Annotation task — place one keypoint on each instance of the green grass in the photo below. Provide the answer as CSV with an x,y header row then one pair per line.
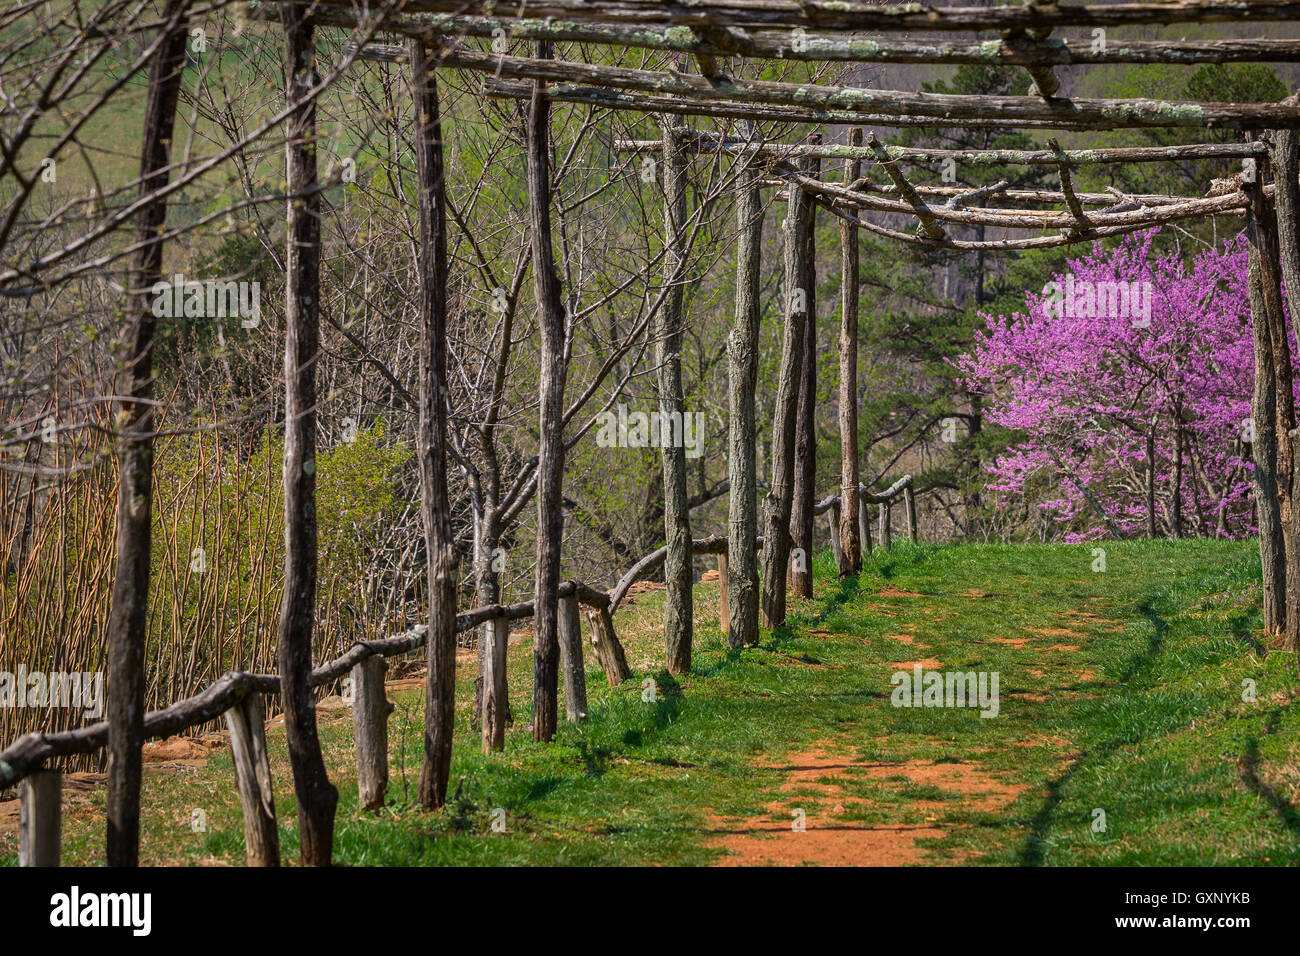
x,y
1145,720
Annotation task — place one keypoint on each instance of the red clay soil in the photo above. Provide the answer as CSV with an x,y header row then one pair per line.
x,y
928,662
815,783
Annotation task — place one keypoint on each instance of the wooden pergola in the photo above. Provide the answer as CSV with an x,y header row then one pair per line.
x,y
719,36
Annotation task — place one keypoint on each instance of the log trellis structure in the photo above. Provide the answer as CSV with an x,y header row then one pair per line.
x,y
714,33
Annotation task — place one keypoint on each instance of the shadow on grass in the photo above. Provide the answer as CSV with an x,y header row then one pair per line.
x,y
667,708
1034,850
1250,760
1244,628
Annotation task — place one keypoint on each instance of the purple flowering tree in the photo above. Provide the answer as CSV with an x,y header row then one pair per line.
x,y
1127,381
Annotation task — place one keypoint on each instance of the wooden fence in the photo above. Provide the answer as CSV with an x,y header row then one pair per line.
x,y
238,696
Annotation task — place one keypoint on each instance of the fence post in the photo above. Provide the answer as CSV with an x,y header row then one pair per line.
x,y
575,677
40,823
496,703
864,521
253,775
724,599
370,710
837,547
608,649
886,535
909,502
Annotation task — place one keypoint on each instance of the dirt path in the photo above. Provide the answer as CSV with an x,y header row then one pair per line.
x,y
820,784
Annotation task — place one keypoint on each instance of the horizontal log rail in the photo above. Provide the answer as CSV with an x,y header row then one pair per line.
x,y
817,48
759,112
874,497
853,16
701,141
1093,113
1187,208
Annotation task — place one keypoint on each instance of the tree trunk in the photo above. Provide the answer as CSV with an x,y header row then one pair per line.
x,y
850,476
742,375
1176,482
317,797
780,496
678,571
550,452
805,445
1151,479
431,440
1285,155
128,613
1264,454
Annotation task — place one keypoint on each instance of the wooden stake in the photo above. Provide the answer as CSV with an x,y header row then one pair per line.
x,y
40,824
837,549
886,532
575,675
492,723
909,503
370,710
864,521
724,608
253,777
608,649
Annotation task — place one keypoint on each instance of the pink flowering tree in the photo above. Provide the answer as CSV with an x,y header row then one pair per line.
x,y
1126,386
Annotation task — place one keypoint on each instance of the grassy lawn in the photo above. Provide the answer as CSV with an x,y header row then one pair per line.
x,y
1120,692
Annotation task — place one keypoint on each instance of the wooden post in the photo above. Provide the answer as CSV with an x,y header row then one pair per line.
x,y
129,607
40,825
849,553
780,495
492,723
909,503
1284,151
724,605
370,710
317,797
864,521
253,777
678,565
1266,306
742,371
837,546
575,676
431,432
608,649
886,532
550,387
805,443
